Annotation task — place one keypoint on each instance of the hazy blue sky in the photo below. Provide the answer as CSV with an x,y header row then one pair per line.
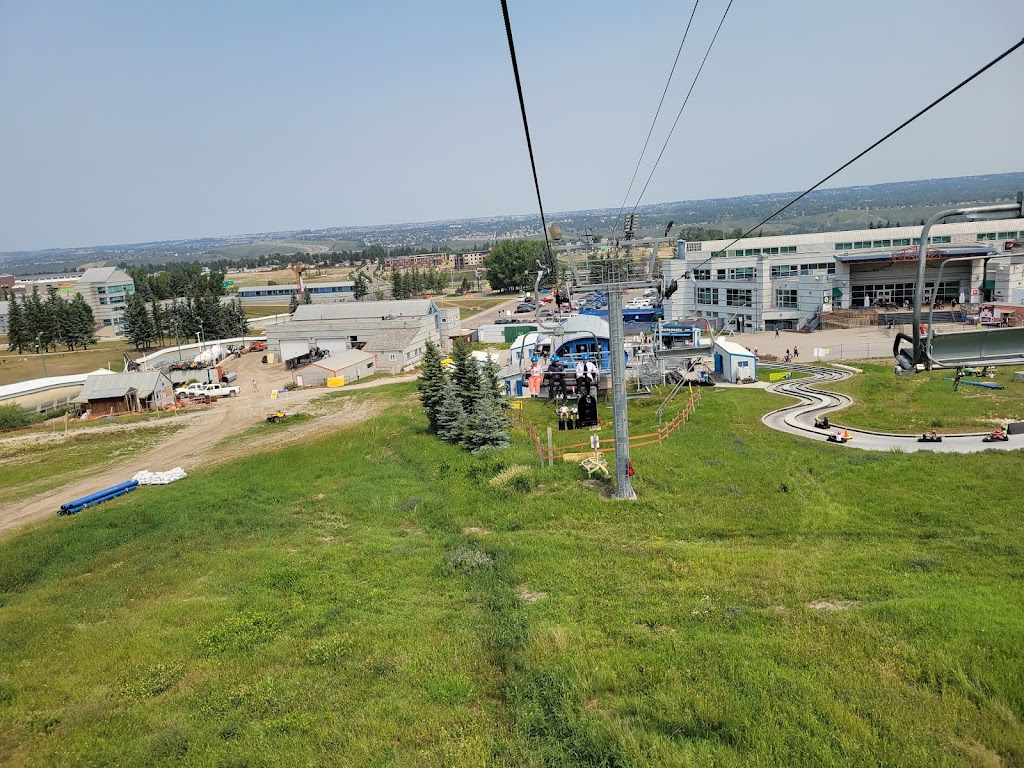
x,y
127,121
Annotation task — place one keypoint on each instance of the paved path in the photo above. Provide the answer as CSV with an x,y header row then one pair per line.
x,y
798,419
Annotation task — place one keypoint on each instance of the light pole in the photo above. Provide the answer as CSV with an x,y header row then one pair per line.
x,y
42,352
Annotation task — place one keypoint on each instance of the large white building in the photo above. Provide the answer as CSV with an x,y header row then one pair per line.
x,y
766,282
106,290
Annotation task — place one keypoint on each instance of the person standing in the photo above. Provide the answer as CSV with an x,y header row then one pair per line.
x,y
536,374
255,386
796,353
776,332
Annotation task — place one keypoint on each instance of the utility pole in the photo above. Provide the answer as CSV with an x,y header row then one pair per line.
x,y
620,410
42,352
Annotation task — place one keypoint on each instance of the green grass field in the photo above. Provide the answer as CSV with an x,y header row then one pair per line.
x,y
378,598
28,467
926,400
15,368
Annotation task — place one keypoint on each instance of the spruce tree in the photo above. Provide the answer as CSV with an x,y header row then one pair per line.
x,y
159,321
293,304
431,383
18,336
82,322
451,415
488,427
138,327
466,374
490,378
307,297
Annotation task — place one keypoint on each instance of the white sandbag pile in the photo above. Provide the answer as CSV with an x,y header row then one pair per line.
x,y
145,477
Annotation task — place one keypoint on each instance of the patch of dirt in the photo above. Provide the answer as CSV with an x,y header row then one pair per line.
x,y
319,496
474,531
411,528
530,597
201,442
832,605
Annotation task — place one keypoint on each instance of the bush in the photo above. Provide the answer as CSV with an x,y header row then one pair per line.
x,y
12,417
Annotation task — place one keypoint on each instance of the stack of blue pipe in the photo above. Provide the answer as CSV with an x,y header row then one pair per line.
x,y
76,506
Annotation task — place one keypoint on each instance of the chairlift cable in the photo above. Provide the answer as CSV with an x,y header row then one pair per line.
x,y
685,101
844,166
657,113
526,129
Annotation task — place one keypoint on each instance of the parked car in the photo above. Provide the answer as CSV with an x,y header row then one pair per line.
x,y
504,321
525,308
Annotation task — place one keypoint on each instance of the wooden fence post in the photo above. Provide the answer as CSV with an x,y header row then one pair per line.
x,y
551,451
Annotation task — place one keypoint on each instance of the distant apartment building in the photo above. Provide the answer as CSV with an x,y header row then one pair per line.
x,y
7,283
421,261
469,260
106,290
4,312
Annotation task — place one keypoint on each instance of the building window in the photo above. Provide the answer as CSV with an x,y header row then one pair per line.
x,y
786,298
707,295
862,244
693,247
784,270
901,242
737,297
844,246
741,273
391,356
940,239
702,274
106,322
788,249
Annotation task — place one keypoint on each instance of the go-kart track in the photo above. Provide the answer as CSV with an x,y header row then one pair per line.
x,y
799,419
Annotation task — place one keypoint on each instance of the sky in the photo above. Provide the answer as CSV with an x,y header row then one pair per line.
x,y
127,122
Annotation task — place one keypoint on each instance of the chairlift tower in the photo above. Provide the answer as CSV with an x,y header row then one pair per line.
x,y
616,269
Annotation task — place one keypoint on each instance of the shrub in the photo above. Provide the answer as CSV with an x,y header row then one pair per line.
x,y
13,417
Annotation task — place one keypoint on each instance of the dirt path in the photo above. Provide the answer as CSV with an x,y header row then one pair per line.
x,y
200,442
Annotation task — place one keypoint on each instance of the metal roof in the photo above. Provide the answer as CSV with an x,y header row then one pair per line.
x,y
119,384
733,348
351,310
340,360
102,275
389,339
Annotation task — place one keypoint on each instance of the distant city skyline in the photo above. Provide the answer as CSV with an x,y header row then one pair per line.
x,y
127,123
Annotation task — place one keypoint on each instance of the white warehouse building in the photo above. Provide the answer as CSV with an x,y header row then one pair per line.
x,y
784,281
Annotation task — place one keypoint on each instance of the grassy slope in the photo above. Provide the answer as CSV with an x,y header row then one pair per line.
x,y
62,363
26,468
301,607
926,400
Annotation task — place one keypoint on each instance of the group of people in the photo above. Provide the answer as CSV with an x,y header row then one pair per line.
x,y
587,374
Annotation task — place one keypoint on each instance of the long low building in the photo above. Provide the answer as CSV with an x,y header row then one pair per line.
x,y
783,281
47,393
395,331
280,295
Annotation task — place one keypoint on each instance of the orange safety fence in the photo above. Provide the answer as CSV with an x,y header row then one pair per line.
x,y
635,441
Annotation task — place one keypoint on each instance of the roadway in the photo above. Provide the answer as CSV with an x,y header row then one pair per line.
x,y
798,419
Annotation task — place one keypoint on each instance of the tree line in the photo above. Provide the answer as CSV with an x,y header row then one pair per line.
x,y
464,403
34,323
182,320
412,283
177,281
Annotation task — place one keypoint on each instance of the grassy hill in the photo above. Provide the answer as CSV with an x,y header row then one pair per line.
x,y
375,597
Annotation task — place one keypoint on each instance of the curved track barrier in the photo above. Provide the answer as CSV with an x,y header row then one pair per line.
x,y
798,419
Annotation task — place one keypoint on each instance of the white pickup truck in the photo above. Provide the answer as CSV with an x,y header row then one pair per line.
x,y
193,389
221,390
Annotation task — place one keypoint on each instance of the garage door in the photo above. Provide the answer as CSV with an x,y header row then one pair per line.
x,y
332,346
292,349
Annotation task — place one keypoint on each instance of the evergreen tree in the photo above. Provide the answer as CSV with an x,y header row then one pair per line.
x,y
83,322
159,322
467,380
488,427
293,304
138,326
307,297
490,379
361,287
465,286
18,336
431,383
398,284
452,419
